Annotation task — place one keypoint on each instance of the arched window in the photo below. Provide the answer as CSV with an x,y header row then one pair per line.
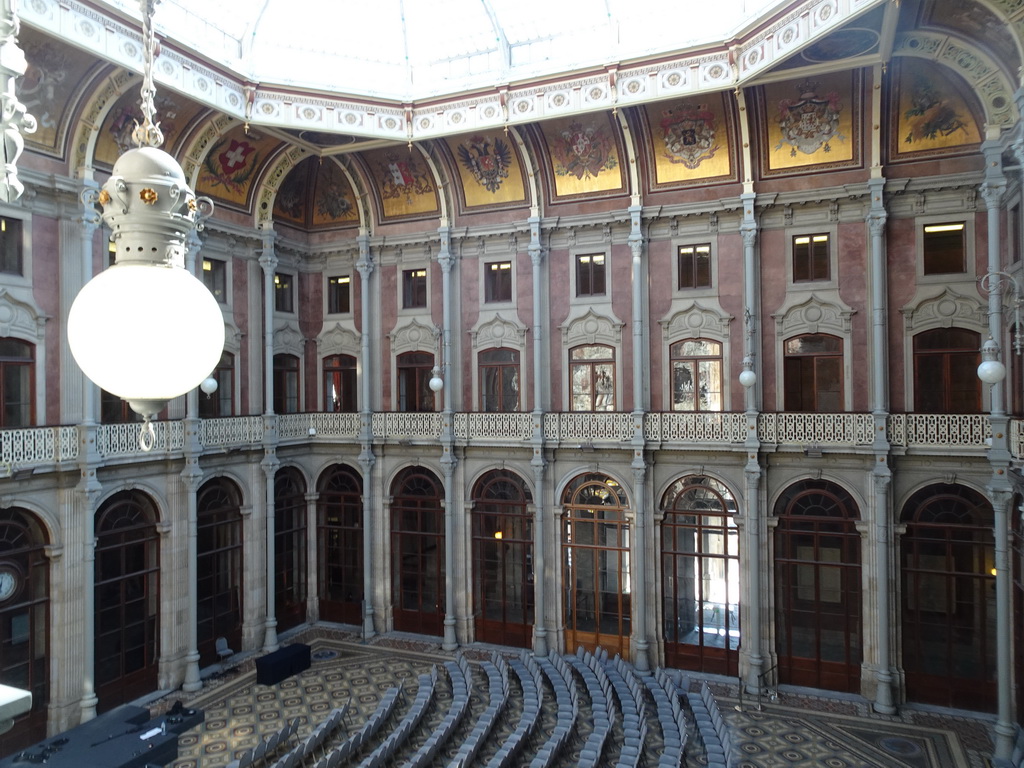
x,y
946,371
286,384
219,586
127,599
499,380
340,538
417,552
700,576
221,402
414,373
340,393
818,626
813,373
24,622
949,613
592,378
696,375
503,559
17,383
289,548
595,559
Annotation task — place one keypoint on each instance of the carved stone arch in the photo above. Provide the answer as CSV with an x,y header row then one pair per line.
x,y
288,340
87,127
232,337
944,310
338,340
498,332
414,336
993,86
592,328
696,322
813,316
19,319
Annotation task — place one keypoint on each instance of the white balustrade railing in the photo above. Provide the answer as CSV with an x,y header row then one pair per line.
x,y
939,430
37,445
1017,438
506,427
407,426
231,431
816,428
50,445
587,427
123,439
695,427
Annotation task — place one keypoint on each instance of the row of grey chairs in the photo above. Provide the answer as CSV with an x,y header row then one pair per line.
x,y
531,685
671,717
385,751
318,740
266,748
461,677
602,705
497,698
563,684
711,727
632,705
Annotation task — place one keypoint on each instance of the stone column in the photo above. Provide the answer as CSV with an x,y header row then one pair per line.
x,y
367,459
753,472
89,491
638,573
270,465
881,474
448,460
540,585
313,560
77,229
268,262
192,478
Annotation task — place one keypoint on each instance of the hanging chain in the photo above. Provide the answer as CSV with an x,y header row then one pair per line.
x,y
148,134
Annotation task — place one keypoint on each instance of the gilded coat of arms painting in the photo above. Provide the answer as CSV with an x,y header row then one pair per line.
x,y
934,113
403,181
584,154
228,171
689,140
489,169
812,122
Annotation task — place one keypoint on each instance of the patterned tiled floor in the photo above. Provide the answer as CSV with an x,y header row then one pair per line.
x,y
799,731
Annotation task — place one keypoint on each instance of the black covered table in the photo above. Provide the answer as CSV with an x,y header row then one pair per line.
x,y
125,737
286,661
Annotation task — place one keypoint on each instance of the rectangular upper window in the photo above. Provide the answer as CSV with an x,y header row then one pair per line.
x,y
284,293
590,276
944,248
498,281
414,288
694,266
10,246
339,295
215,276
1013,232
811,259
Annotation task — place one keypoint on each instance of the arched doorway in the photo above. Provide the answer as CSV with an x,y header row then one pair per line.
x,y
24,622
948,601
700,576
417,552
289,548
340,545
595,549
127,599
818,587
503,559
219,588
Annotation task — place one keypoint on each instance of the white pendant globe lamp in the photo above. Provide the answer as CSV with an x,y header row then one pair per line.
x,y
145,329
